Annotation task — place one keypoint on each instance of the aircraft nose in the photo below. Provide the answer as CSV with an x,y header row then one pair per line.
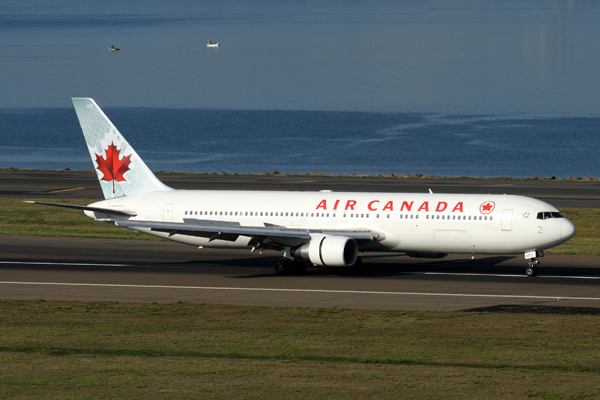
x,y
567,229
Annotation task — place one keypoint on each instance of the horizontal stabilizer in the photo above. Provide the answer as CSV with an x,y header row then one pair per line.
x,y
87,208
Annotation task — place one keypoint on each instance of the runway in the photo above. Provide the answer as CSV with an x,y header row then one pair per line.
x,y
144,271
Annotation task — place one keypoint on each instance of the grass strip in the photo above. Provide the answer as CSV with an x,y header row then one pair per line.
x,y
56,349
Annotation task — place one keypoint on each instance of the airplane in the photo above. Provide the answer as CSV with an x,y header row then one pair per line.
x,y
324,228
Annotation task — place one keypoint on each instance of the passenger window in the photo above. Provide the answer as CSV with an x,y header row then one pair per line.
x,y
362,215
388,216
185,212
411,216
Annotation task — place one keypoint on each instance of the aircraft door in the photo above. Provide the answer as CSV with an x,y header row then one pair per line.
x,y
507,220
334,217
168,213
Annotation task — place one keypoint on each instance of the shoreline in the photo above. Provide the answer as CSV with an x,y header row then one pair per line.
x,y
324,175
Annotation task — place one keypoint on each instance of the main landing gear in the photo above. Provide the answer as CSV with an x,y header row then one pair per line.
x,y
531,269
289,267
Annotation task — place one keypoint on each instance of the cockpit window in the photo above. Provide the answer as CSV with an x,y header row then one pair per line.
x,y
549,214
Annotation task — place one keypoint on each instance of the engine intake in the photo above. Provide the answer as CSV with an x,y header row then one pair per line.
x,y
329,251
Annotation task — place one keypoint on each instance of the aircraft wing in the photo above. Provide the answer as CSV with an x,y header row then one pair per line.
x,y
279,236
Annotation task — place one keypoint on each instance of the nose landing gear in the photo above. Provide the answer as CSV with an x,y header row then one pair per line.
x,y
531,270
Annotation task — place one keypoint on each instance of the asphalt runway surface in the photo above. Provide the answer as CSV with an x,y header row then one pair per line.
x,y
152,271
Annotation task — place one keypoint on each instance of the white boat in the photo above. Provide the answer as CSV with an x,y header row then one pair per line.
x,y
211,44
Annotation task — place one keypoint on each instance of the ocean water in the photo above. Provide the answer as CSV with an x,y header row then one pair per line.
x,y
234,141
467,87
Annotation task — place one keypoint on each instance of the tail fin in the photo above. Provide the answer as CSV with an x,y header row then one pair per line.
x,y
120,170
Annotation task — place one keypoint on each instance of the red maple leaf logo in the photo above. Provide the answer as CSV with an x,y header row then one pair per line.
x,y
111,167
487,207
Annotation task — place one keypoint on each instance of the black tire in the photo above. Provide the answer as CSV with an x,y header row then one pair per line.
x,y
282,267
300,267
356,267
531,271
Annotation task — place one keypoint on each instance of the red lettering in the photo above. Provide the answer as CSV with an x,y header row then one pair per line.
x,y
407,205
336,204
441,206
322,204
424,206
458,207
350,205
371,204
389,206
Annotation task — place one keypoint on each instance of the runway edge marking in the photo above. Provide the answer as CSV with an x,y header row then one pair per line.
x,y
299,290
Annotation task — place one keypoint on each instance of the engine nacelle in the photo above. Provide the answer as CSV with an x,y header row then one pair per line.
x,y
427,255
329,251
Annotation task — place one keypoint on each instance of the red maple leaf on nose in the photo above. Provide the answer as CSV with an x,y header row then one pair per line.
x,y
111,167
487,207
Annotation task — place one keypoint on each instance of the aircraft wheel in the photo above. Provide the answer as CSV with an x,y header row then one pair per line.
x,y
282,267
300,267
356,267
531,271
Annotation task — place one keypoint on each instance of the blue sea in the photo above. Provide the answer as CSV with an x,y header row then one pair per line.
x,y
460,88
234,141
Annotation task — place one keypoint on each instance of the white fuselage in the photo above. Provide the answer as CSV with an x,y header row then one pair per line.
x,y
404,222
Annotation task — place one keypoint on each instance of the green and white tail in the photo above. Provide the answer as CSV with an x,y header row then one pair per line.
x,y
120,170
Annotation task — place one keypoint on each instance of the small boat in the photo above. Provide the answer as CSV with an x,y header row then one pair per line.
x,y
211,44
113,48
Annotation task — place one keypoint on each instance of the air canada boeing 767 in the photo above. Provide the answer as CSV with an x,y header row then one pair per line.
x,y
320,228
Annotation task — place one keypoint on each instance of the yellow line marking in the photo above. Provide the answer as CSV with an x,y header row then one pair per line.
x,y
67,190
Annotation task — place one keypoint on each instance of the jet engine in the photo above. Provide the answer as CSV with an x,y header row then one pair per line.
x,y
329,251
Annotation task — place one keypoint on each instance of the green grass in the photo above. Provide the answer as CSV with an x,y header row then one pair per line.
x,y
112,350
18,218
